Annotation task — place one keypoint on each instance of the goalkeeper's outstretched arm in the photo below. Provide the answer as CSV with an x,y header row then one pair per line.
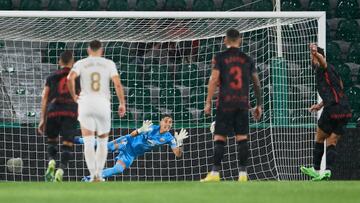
x,y
177,151
183,134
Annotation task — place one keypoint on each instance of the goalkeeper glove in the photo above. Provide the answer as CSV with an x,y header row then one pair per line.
x,y
180,137
146,127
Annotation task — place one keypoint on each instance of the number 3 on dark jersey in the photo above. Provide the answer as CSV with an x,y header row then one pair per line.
x,y
236,72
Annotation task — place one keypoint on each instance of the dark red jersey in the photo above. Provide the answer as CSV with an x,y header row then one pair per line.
x,y
236,69
60,102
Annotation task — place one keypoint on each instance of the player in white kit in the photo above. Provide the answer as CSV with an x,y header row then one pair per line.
x,y
94,106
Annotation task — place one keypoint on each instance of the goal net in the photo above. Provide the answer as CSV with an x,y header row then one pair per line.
x,y
164,63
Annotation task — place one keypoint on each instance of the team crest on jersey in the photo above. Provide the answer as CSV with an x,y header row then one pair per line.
x,y
162,140
151,142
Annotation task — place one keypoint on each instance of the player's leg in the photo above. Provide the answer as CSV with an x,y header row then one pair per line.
x,y
318,152
241,126
117,144
323,131
89,150
103,126
52,131
101,153
123,161
113,145
222,129
331,141
118,168
68,131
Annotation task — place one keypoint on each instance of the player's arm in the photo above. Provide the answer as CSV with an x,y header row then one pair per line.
x,y
318,56
120,94
71,84
177,151
257,89
213,83
316,107
177,143
44,103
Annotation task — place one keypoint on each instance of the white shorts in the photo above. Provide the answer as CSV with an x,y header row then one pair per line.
x,y
95,114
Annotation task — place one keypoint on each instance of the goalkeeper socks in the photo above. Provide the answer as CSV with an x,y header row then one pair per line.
x,y
52,149
318,153
117,169
330,157
89,153
101,154
218,154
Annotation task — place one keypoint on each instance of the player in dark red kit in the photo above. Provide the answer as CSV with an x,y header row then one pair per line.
x,y
333,119
58,117
232,70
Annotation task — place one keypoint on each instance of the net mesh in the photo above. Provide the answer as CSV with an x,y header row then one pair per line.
x,y
164,66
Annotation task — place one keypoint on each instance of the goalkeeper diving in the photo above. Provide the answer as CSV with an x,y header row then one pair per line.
x,y
140,141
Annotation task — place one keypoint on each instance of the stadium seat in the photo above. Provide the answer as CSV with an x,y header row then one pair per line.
x,y
348,30
175,5
80,50
187,75
6,5
170,96
328,32
345,73
53,52
354,97
203,5
117,5
290,5
30,5
333,52
182,116
354,53
113,51
146,5
59,5
153,116
198,97
320,5
138,97
347,9
232,4
88,5
264,5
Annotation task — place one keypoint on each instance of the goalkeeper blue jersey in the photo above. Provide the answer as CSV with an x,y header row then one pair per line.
x,y
145,142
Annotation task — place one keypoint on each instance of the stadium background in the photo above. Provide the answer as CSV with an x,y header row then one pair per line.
x,y
343,36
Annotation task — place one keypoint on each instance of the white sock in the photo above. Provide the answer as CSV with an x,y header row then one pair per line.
x,y
242,173
216,173
101,155
89,153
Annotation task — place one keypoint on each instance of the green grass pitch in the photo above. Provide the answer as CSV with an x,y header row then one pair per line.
x,y
184,192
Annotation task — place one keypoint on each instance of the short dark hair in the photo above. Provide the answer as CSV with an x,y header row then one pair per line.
x,y
95,45
321,51
166,115
233,34
66,57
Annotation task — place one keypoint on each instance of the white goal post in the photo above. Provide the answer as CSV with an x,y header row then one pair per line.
x,y
164,62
